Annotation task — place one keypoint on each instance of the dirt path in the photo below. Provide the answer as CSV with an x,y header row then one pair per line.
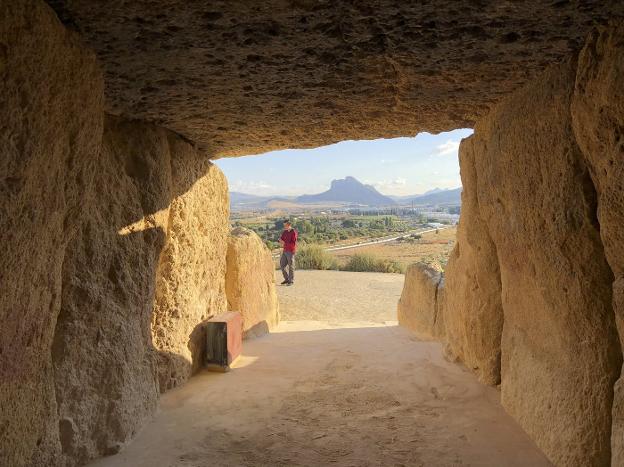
x,y
325,392
338,296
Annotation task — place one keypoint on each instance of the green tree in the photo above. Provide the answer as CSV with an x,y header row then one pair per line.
x,y
388,221
307,227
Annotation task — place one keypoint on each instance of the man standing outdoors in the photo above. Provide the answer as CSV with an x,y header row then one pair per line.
x,y
288,240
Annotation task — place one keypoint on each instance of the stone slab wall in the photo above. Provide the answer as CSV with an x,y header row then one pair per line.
x,y
533,295
418,308
473,311
114,236
51,120
598,120
250,282
190,284
102,348
559,347
156,221
103,339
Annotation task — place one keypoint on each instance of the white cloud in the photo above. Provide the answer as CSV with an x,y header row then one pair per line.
x,y
397,186
252,188
450,147
450,182
263,188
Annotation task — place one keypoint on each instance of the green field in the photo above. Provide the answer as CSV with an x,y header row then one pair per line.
x,y
332,229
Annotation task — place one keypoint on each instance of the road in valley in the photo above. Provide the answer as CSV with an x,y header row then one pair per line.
x,y
383,239
377,241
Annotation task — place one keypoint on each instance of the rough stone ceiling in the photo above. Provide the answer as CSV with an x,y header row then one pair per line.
x,y
241,77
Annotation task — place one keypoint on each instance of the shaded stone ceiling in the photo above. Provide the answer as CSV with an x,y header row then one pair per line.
x,y
240,77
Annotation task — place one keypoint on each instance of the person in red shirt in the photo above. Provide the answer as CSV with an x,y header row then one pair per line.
x,y
288,240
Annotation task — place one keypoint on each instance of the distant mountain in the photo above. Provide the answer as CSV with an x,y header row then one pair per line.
x,y
237,197
436,197
402,198
243,201
349,190
433,190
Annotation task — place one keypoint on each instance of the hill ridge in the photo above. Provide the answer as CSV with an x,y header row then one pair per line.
x,y
349,190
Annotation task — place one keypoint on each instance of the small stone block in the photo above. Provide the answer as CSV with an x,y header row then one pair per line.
x,y
224,340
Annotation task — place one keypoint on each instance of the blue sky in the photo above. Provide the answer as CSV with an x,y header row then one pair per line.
x,y
399,166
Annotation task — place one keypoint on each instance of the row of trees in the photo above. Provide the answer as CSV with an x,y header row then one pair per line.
x,y
323,229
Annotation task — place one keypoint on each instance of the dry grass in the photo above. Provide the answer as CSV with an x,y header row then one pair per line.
x,y
431,248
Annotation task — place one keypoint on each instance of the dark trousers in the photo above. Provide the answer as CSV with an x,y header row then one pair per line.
x,y
288,260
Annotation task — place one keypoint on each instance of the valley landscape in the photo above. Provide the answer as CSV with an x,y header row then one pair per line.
x,y
360,221
347,192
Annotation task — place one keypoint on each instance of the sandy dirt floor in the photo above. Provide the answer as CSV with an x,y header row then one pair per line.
x,y
338,296
334,391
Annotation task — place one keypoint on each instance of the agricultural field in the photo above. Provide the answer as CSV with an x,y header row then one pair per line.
x,y
320,232
334,229
432,248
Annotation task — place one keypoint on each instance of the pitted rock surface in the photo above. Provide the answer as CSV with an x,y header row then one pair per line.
x,y
473,312
250,282
419,308
598,119
537,200
240,77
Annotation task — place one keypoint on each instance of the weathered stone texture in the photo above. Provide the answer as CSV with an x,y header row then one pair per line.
x,y
419,309
473,311
105,367
51,113
92,212
241,77
560,350
115,235
598,118
250,282
190,285
107,370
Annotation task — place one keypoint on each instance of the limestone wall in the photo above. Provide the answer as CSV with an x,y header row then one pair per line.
x,y
466,312
473,311
250,282
102,345
51,114
105,346
114,242
533,294
190,284
419,307
559,346
598,120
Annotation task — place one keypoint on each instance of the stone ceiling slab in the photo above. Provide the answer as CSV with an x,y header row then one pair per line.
x,y
241,77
